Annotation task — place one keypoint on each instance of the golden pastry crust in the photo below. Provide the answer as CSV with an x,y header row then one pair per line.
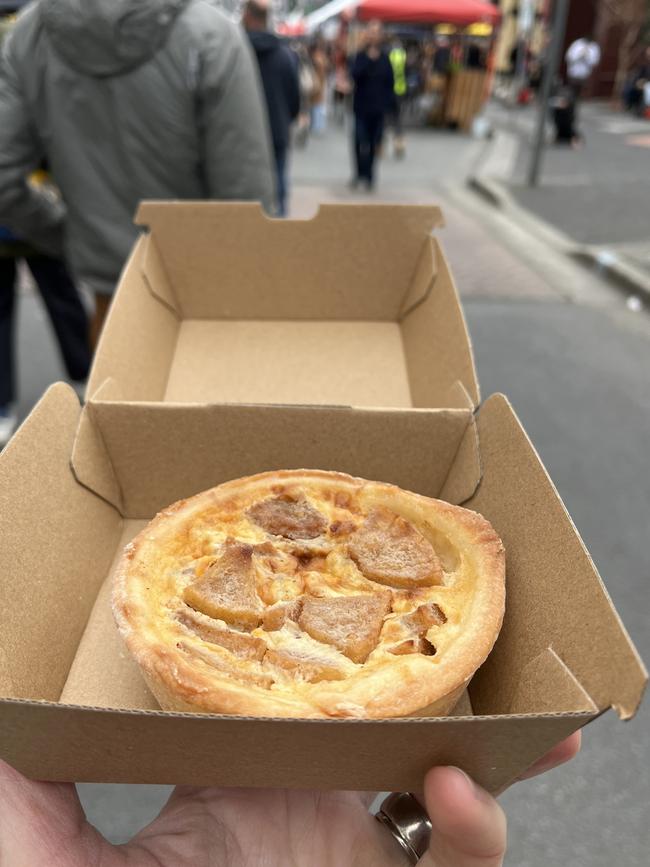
x,y
310,594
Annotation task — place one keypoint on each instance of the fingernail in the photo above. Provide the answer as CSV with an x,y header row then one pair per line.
x,y
467,778
479,793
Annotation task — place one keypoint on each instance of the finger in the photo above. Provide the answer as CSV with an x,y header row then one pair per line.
x,y
468,826
20,797
39,818
563,752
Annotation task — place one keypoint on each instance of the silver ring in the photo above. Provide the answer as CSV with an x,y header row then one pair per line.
x,y
407,821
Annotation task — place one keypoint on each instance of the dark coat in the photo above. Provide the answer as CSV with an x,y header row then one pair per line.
x,y
279,72
374,87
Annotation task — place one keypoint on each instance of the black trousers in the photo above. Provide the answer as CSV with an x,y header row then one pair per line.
x,y
368,131
66,312
396,116
577,85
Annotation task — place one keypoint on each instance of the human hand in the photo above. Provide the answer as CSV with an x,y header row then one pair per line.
x,y
43,825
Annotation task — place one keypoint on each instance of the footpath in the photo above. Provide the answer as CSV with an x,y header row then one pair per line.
x,y
592,203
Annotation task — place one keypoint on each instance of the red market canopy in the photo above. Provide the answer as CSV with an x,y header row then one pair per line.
x,y
460,12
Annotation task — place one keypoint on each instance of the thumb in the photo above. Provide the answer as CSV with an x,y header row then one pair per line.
x,y
41,823
468,826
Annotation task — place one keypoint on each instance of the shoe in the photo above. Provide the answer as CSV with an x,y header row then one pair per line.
x,y
8,422
79,386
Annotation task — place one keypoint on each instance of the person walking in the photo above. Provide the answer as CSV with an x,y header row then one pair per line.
x,y
321,66
582,57
279,72
397,57
65,310
307,85
342,84
637,96
62,302
374,97
141,99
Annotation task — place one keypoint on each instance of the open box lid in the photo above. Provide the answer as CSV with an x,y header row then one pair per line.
x,y
347,262
554,683
356,306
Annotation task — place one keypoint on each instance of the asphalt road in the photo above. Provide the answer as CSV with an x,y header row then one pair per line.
x,y
577,373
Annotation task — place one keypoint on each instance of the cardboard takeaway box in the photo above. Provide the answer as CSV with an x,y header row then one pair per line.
x,y
76,485
355,307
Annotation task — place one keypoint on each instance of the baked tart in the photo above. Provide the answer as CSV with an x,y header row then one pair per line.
x,y
305,593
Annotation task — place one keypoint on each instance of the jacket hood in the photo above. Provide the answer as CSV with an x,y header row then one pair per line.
x,y
108,37
263,42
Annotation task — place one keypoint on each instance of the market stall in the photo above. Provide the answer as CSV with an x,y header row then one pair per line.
x,y
458,90
461,12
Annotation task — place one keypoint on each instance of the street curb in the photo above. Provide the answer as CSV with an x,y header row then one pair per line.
x,y
621,274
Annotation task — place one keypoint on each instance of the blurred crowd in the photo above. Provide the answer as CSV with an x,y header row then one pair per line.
x,y
418,64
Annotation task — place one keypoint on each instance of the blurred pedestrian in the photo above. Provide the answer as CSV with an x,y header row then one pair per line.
x,y
635,99
342,84
442,55
414,78
562,106
65,309
397,57
582,57
535,72
373,99
62,302
141,99
320,65
279,72
307,85
475,56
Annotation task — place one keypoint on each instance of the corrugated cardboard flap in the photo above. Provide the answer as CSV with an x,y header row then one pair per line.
x,y
138,340
558,598
547,685
163,453
348,262
437,345
464,474
90,461
104,745
49,573
424,277
153,271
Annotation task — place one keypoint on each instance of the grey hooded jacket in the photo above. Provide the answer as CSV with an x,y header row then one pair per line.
x,y
126,100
